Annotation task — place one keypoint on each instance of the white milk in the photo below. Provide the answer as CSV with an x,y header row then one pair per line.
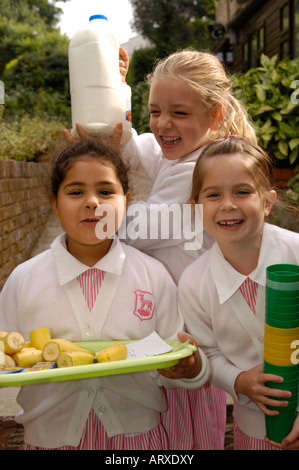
x,y
99,99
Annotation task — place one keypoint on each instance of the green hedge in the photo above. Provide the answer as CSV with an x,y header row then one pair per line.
x,y
27,137
271,95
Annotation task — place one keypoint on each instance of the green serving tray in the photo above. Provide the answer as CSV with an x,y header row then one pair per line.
x,y
126,366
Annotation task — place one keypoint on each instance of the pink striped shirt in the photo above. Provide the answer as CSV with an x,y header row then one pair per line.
x,y
249,291
90,282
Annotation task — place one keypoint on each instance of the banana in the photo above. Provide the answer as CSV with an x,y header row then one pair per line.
x,y
39,337
6,360
116,352
51,351
13,341
74,358
67,345
27,357
9,361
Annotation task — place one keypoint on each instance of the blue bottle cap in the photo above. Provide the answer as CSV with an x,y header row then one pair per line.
x,y
98,17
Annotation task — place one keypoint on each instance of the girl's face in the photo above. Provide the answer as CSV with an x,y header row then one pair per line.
x,y
178,119
88,184
233,208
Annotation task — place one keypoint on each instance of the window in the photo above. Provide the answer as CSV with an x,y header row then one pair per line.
x,y
284,18
286,31
261,38
254,50
245,51
284,49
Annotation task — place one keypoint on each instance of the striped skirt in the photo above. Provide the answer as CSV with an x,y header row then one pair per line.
x,y
94,437
195,419
244,442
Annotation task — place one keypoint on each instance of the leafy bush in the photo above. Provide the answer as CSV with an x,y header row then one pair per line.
x,y
269,96
26,138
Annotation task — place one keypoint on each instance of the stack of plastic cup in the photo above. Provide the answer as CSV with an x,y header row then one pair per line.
x,y
281,329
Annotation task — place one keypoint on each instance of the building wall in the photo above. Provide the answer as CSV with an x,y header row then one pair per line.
x,y
135,43
225,10
24,208
270,27
263,31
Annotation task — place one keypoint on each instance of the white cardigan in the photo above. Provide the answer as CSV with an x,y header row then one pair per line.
x,y
218,317
171,184
44,292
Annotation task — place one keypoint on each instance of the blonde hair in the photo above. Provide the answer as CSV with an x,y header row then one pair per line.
x,y
205,74
256,160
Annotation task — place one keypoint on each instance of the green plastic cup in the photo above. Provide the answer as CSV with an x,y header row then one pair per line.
x,y
293,402
283,371
282,291
279,295
287,301
287,305
283,274
281,316
290,385
283,310
282,323
274,317
278,427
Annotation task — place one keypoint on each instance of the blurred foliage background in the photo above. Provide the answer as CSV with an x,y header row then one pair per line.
x,y
34,70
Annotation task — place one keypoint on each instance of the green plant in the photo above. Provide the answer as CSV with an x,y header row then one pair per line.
x,y
27,137
268,94
292,191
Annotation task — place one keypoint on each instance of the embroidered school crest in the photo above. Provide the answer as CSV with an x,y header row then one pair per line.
x,y
144,305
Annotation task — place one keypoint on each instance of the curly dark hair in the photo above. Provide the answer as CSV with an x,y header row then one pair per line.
x,y
93,148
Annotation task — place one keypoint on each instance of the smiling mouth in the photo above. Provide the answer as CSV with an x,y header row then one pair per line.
x,y
230,223
170,140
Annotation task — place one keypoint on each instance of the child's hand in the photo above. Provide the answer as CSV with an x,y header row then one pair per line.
x,y
291,441
252,384
113,141
81,133
123,64
186,368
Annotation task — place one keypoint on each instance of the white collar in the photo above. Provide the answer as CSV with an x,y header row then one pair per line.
x,y
68,267
191,157
228,280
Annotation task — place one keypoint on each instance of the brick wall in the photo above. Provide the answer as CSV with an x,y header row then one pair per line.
x,y
24,208
11,434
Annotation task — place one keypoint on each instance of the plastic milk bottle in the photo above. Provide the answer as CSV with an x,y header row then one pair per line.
x,y
99,99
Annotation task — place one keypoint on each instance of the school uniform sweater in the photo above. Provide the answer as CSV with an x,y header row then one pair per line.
x,y
171,185
45,292
219,318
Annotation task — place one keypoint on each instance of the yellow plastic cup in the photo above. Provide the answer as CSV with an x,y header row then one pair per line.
x,y
277,360
282,331
279,354
279,347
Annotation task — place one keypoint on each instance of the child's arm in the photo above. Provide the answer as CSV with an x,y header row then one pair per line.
x,y
252,384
